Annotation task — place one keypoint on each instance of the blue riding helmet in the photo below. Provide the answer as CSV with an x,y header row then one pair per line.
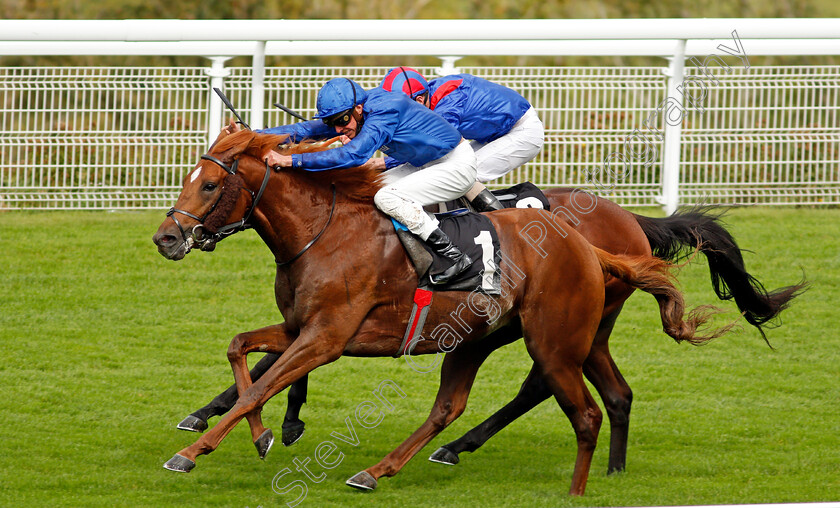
x,y
406,80
337,95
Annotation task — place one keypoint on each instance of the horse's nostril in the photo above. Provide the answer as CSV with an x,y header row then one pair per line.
x,y
165,240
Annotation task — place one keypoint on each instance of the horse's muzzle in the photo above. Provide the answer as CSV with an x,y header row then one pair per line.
x,y
171,246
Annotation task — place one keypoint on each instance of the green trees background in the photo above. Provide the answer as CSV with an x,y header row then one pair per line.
x,y
394,9
400,9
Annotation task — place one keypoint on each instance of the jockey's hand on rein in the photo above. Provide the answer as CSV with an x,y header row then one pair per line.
x,y
277,161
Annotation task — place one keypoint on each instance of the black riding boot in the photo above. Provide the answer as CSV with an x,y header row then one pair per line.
x,y
486,202
441,244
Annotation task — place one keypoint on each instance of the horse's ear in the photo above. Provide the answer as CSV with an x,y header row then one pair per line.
x,y
226,131
229,146
222,134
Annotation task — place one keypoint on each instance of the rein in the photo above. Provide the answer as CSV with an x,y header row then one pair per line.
x,y
311,242
229,229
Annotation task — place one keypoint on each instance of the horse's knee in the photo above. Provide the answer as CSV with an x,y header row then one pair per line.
x,y
237,346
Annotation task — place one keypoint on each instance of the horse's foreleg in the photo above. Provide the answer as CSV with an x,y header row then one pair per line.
x,y
293,426
221,404
274,339
533,392
456,379
301,356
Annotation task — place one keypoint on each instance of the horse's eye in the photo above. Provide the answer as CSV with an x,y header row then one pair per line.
x,y
209,187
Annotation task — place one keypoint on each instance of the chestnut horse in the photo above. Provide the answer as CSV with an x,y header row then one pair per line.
x,y
615,230
342,296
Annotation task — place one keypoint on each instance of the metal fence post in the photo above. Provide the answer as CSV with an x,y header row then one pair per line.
x,y
217,73
447,65
258,86
671,158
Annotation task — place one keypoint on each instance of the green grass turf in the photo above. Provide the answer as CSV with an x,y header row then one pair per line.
x,y
107,346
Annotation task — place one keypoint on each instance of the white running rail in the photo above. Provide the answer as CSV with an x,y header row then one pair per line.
x,y
123,137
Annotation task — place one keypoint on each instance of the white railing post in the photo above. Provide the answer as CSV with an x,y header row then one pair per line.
x,y
447,65
258,86
671,158
217,73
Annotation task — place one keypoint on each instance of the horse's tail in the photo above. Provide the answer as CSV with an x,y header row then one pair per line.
x,y
653,275
675,237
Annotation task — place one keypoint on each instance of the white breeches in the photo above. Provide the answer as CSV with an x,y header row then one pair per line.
x,y
409,188
501,156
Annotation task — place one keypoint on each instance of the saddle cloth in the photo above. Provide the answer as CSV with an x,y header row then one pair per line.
x,y
475,236
470,232
521,195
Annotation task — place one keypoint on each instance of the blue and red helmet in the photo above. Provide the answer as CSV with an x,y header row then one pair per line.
x,y
405,80
338,95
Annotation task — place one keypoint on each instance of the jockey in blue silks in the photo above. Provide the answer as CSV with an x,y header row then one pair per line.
x,y
438,164
503,127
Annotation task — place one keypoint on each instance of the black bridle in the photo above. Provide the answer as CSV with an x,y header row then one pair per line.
x,y
242,224
210,240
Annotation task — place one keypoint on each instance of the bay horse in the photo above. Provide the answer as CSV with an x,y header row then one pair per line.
x,y
611,228
350,293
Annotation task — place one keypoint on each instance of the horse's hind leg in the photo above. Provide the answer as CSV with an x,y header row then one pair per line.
x,y
566,381
456,378
600,369
532,393
560,360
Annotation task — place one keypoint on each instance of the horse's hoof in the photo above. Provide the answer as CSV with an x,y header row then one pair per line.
x,y
362,481
179,464
193,424
292,433
615,470
444,456
264,442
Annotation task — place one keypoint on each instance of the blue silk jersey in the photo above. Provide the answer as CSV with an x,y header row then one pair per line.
x,y
393,123
479,109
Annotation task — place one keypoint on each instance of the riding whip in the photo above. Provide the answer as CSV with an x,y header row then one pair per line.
x,y
289,111
224,98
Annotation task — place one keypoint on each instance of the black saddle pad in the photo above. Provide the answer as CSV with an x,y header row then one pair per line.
x,y
521,195
476,237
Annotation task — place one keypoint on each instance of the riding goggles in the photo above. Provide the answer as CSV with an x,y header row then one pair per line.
x,y
339,119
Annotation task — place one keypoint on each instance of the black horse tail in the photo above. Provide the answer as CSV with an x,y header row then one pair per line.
x,y
674,238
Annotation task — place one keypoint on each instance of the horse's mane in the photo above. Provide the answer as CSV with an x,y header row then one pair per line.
x,y
359,183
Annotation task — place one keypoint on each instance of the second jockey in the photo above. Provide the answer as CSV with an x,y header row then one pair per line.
x,y
503,127
438,164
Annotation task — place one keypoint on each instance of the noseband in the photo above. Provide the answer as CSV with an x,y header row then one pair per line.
x,y
208,242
